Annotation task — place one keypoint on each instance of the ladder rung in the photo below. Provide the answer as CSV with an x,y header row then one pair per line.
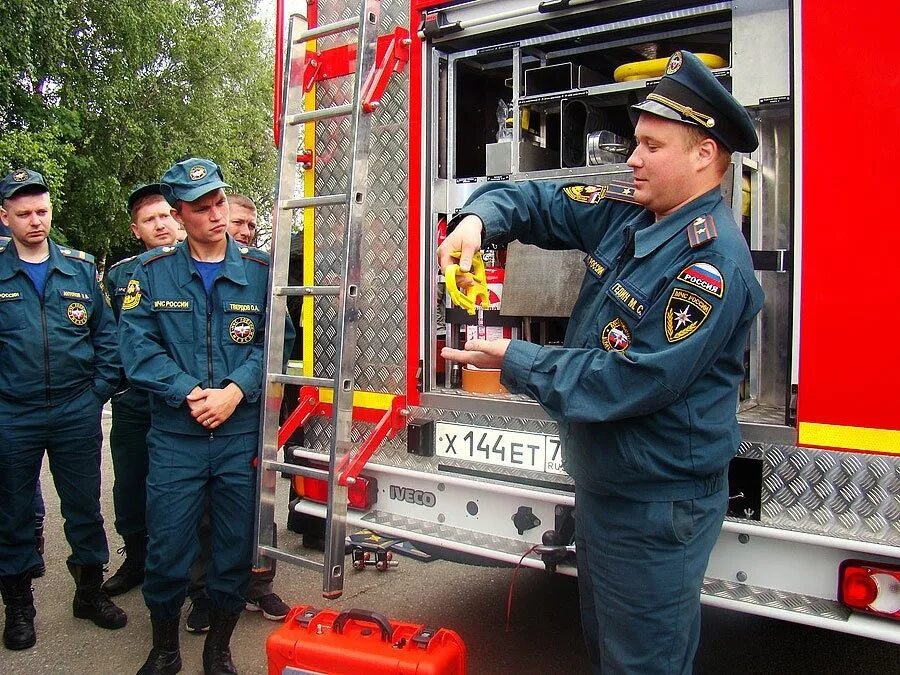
x,y
302,380
295,469
327,29
321,200
320,114
278,554
307,290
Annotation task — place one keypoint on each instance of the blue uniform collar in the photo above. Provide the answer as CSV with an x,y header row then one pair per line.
x,y
232,266
56,261
648,239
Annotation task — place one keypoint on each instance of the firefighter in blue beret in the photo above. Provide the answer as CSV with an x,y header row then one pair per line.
x,y
645,388
151,224
60,365
192,334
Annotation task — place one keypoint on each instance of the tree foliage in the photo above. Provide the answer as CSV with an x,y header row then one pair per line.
x,y
100,96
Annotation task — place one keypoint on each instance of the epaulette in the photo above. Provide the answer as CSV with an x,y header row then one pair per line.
x,y
3,242
623,192
255,254
123,260
156,254
77,255
701,230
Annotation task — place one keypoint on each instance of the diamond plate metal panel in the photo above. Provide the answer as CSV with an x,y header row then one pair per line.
x,y
793,602
839,494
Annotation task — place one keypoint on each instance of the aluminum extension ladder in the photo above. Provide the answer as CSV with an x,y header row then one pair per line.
x,y
347,295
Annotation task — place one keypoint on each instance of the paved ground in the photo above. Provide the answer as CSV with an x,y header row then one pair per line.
x,y
544,636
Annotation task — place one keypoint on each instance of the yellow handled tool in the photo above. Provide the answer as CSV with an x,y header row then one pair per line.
x,y
476,293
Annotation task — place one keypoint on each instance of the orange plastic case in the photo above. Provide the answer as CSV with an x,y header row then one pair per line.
x,y
314,641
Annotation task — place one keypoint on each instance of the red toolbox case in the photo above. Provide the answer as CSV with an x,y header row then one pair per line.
x,y
360,642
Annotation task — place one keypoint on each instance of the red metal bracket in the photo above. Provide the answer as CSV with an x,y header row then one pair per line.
x,y
392,421
306,405
392,54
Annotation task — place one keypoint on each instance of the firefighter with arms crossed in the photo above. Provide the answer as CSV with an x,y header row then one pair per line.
x,y
60,365
151,224
191,334
645,387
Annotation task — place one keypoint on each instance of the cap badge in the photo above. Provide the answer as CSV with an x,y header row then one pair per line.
x,y
20,176
197,172
674,63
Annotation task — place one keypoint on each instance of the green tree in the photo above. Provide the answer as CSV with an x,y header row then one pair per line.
x,y
100,96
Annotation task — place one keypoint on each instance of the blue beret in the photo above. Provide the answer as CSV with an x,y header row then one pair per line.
x,y
20,179
190,179
690,93
143,191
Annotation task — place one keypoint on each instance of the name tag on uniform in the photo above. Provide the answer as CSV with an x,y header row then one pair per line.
x,y
243,307
10,295
171,305
75,295
630,301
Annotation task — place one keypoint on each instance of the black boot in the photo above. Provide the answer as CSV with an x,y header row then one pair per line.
x,y
90,601
131,573
165,658
18,632
40,569
216,649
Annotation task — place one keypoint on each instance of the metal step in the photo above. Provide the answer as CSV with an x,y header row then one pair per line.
x,y
306,290
327,29
278,554
320,114
301,380
295,469
311,202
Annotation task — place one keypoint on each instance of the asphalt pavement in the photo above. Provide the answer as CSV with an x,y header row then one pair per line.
x,y
543,635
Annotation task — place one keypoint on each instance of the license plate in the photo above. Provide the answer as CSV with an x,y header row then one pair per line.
x,y
499,447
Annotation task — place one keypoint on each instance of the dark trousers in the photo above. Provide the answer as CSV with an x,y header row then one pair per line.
x,y
128,446
70,435
640,569
185,472
260,580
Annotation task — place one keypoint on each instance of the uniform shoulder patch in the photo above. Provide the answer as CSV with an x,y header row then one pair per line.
x,y
685,313
77,255
255,254
701,231
585,194
620,191
157,254
704,276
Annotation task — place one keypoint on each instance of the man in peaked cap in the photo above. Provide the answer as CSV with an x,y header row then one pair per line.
x,y
151,224
191,334
645,388
58,344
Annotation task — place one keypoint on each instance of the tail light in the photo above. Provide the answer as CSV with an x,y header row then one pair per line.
x,y
873,588
360,496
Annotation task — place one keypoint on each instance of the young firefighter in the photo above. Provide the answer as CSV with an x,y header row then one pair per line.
x,y
60,365
645,388
151,224
191,334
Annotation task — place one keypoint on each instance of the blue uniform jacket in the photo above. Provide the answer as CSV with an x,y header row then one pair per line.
x,y
54,348
645,390
172,338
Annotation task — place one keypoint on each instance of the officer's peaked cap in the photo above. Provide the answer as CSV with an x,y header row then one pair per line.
x,y
142,191
690,93
190,179
20,179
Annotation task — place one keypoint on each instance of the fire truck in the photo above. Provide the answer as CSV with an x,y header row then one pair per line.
x,y
456,94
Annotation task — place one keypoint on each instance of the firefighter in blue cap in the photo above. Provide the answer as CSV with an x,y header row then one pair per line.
x,y
191,334
60,365
646,385
151,224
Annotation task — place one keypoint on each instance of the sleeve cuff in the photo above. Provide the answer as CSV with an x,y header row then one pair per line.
x,y
251,393
183,386
518,362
